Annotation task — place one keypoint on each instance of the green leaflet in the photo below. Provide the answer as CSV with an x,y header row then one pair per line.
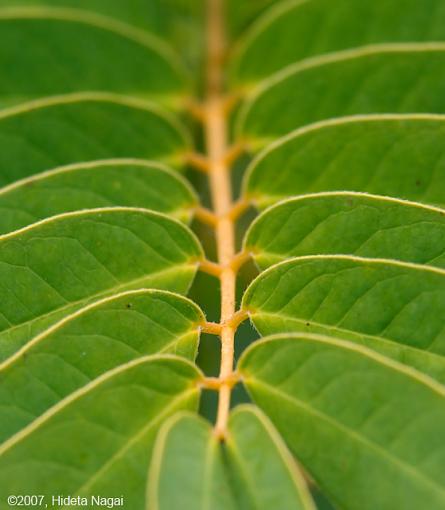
x,y
176,21
76,128
320,499
265,474
251,471
98,440
348,223
368,429
83,52
405,78
106,183
90,342
154,15
73,259
133,12
187,468
239,15
397,155
293,30
393,307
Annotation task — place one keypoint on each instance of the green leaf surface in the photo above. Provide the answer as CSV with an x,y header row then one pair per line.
x,y
405,78
369,430
153,15
76,128
348,223
240,15
265,473
393,307
82,52
176,21
111,424
187,469
397,155
106,109
76,258
88,343
321,501
250,471
297,29
105,183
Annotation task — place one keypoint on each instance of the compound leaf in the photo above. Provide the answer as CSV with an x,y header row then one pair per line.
x,y
97,352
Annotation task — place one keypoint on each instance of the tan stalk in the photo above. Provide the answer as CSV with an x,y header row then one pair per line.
x,y
215,126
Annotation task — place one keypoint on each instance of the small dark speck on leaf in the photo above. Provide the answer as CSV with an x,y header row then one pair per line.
x,y
128,305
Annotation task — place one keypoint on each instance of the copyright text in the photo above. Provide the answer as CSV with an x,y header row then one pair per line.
x,y
41,501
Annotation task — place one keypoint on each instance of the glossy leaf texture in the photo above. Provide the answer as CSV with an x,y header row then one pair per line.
x,y
348,223
252,470
393,307
88,343
368,429
104,251
394,155
111,424
314,27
